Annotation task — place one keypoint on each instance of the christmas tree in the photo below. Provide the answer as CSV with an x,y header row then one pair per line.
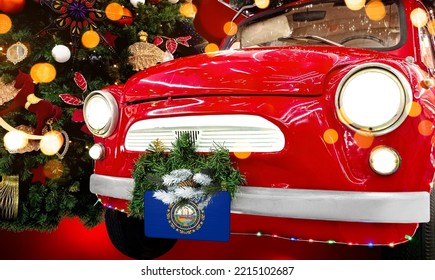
x,y
70,48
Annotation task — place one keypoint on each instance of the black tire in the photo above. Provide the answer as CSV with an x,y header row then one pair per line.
x,y
127,235
422,245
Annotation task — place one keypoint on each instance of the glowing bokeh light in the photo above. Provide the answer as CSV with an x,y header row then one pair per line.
x,y
355,5
188,10
375,10
425,127
230,28
330,136
431,27
210,48
415,109
419,17
43,72
242,150
5,23
90,39
363,140
114,11
262,4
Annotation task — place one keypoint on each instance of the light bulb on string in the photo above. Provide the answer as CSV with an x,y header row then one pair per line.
x,y
15,140
51,142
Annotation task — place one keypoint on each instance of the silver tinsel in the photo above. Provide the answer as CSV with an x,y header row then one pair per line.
x,y
182,184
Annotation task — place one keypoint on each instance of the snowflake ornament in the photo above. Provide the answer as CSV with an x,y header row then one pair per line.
x,y
75,15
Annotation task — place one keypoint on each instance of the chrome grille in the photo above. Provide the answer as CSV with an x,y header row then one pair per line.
x,y
237,133
193,134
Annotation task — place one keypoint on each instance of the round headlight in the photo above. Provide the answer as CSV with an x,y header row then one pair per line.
x,y
384,160
101,113
97,151
373,98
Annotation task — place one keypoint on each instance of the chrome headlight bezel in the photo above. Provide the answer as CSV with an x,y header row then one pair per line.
x,y
111,115
390,116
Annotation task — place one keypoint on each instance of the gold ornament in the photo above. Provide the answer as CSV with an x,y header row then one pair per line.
x,y
144,54
53,169
9,197
17,53
143,36
7,92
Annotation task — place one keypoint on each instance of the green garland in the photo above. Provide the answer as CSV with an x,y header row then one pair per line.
x,y
211,172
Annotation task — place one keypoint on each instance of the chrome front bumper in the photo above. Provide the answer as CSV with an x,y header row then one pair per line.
x,y
348,206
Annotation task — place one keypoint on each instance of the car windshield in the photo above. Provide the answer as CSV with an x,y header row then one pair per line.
x,y
376,26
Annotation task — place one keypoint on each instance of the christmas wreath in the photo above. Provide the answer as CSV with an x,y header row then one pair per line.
x,y
182,174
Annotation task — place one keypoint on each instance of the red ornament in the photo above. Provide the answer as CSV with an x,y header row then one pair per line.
x,y
127,18
38,174
12,6
110,38
25,98
154,2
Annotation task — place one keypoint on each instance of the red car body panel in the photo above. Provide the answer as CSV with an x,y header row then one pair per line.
x,y
294,88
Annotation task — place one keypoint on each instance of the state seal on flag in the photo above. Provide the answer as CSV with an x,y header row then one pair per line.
x,y
185,218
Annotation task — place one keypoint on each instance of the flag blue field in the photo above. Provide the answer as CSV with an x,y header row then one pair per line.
x,y
188,221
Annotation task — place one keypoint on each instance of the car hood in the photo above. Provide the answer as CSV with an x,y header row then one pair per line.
x,y
268,71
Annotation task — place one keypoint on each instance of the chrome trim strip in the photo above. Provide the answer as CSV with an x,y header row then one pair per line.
x,y
116,187
374,207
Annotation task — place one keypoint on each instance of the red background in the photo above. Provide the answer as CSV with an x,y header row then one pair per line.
x,y
71,241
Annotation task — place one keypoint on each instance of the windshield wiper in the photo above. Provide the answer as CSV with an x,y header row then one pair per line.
x,y
311,37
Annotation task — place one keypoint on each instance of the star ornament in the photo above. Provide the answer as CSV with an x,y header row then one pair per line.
x,y
75,15
38,175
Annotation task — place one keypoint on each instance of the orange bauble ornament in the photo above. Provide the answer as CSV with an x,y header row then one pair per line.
x,y
12,6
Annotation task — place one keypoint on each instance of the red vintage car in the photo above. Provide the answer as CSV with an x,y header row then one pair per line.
x,y
331,105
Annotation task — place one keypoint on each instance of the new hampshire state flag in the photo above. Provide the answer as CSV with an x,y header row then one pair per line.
x,y
188,221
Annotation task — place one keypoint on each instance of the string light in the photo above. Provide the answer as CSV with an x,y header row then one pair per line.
x,y
330,241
